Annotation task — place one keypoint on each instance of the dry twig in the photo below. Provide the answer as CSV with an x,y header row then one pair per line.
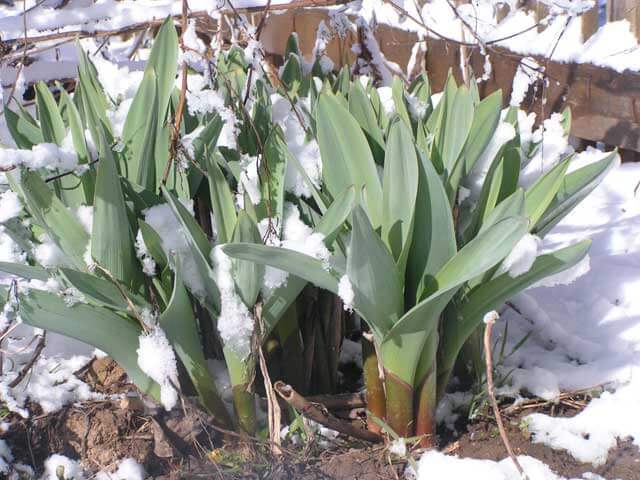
x,y
490,320
319,414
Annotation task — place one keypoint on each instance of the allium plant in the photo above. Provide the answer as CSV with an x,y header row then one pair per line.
x,y
441,236
415,213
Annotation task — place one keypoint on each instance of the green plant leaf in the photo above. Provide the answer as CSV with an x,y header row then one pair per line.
x,y
575,187
64,229
248,276
25,271
25,133
51,123
485,121
100,291
272,175
457,124
105,330
540,195
222,203
180,327
346,156
492,294
400,187
362,110
299,264
434,241
112,242
374,277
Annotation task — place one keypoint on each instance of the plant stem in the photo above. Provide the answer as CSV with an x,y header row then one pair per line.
x,y
288,334
399,405
373,385
426,400
242,373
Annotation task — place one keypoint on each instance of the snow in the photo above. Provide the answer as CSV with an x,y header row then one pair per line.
x,y
235,322
504,133
525,76
554,146
305,151
6,457
587,333
10,206
434,464
48,254
249,181
128,469
58,466
345,292
297,236
43,155
142,252
51,383
398,447
173,240
157,359
521,258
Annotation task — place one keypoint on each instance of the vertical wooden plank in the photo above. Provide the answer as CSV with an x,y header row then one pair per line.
x,y
590,22
625,9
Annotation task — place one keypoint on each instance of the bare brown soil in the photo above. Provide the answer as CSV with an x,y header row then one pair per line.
x,y
183,446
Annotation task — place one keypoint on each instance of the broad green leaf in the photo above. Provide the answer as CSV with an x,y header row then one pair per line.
x,y
397,92
492,294
575,187
181,329
374,277
483,127
539,196
399,191
99,327
80,145
434,241
410,332
222,203
248,276
138,124
24,133
457,125
145,158
291,76
272,175
51,123
362,110
200,249
25,271
163,60
346,156
102,292
64,229
112,241
299,264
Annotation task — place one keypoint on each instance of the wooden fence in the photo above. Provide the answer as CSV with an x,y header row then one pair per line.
x,y
605,104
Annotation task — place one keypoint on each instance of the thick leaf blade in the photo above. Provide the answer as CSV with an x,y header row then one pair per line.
x,y
399,191
180,327
346,156
112,243
105,330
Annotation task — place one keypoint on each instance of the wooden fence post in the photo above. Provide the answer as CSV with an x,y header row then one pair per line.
x,y
590,22
625,9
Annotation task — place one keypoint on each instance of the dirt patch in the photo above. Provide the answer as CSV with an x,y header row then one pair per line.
x,y
183,445
482,441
